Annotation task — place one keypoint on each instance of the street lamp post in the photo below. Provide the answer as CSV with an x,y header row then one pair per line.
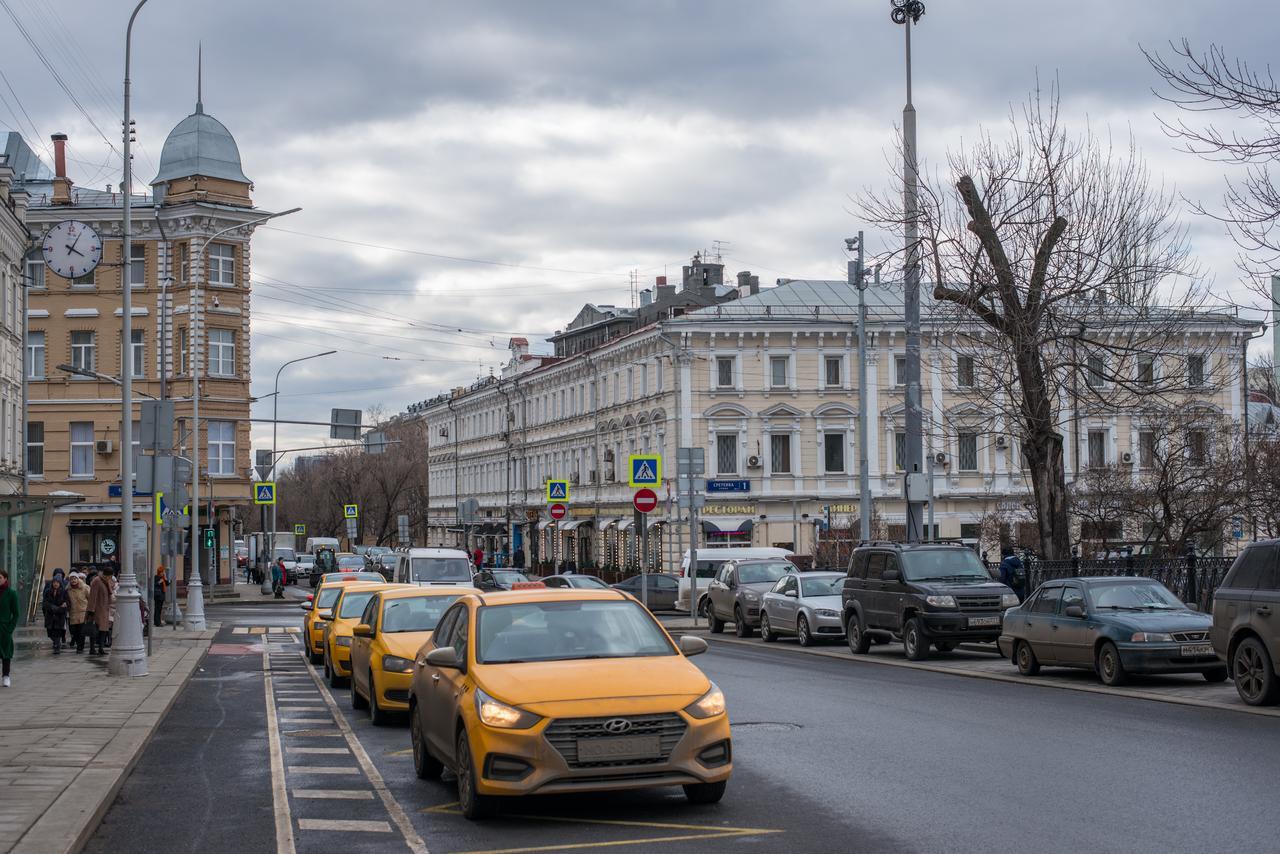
x,y
275,424
908,13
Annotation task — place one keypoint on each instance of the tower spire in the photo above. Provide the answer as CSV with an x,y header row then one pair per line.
x,y
199,77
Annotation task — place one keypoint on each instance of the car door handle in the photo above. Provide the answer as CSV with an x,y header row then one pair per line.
x,y
1264,611
435,677
1053,626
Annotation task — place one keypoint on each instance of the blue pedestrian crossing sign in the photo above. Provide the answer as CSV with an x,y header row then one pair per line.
x,y
264,492
644,470
350,511
557,491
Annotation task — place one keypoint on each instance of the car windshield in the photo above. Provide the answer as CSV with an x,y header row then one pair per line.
x,y
327,595
353,576
587,581
1135,596
509,577
351,562
287,554
563,631
951,564
353,603
709,568
306,559
830,586
762,573
440,569
414,614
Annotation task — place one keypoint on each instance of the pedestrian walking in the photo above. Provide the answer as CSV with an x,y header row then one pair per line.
x,y
55,608
78,604
277,578
58,575
114,580
1013,574
99,613
159,589
8,624
478,556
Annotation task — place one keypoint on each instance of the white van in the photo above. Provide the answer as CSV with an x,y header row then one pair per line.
x,y
709,563
430,567
314,543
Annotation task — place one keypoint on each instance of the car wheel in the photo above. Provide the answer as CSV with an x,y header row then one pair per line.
x,y
1025,657
1216,674
914,641
802,631
426,766
377,716
335,681
714,623
945,646
1255,678
705,793
315,657
859,642
740,627
766,630
473,805
1110,667
357,702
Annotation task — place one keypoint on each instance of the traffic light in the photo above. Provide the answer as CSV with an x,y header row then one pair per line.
x,y
209,538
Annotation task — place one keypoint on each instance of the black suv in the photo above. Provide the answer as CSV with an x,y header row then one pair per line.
x,y
1246,622
930,593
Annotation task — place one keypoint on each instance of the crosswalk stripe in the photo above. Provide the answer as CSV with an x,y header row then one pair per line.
x,y
240,630
344,824
335,794
323,769
257,630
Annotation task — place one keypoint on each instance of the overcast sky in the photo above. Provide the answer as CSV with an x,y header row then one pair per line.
x,y
570,142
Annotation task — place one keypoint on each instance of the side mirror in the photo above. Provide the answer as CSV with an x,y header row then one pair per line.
x,y
445,656
1074,611
792,594
692,645
890,575
326,614
364,630
732,583
1192,606
306,606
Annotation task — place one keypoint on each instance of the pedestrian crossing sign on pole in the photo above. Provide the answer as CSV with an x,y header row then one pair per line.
x,y
299,530
264,492
557,492
644,470
350,511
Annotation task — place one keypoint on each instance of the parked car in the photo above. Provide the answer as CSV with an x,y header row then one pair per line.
x,y
806,605
927,593
1113,626
660,590
734,595
432,566
1246,623
573,579
709,563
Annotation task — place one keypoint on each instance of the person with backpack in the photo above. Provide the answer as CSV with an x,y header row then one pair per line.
x,y
1013,573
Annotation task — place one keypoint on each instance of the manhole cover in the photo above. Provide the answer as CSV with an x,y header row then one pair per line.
x,y
766,726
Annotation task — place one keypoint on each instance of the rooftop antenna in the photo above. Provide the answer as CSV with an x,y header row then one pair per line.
x,y
199,77
635,287
717,246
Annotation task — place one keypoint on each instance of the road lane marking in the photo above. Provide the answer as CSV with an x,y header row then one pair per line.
x,y
293,721
344,824
335,794
330,751
312,733
322,769
279,797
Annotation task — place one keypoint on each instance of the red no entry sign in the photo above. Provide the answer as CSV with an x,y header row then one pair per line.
x,y
557,511
645,500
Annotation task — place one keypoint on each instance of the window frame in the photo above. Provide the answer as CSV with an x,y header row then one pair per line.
x,y
1095,378
218,362
134,262
732,364
963,439
1101,461
33,281
839,437
138,353
73,444
899,373
827,363
220,267
36,447
899,450
965,363
37,355
787,438
80,351
774,363
732,439
221,458
1197,370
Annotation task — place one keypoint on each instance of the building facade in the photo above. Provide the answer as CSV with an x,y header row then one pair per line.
x,y
189,275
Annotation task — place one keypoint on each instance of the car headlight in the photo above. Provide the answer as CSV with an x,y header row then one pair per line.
x,y
748,596
396,664
342,641
709,704
1009,600
1152,637
496,713
826,612
940,601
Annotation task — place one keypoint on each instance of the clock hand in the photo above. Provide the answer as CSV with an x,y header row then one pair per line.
x,y
72,248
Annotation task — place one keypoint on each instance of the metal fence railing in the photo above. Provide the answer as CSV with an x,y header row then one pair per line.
x,y
1193,579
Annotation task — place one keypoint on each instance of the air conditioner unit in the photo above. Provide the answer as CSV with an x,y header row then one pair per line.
x,y
940,459
1001,442
1126,458
102,446
753,462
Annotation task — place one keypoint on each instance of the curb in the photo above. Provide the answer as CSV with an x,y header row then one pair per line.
x,y
1128,693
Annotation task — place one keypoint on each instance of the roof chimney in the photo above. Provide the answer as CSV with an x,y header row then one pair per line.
x,y
646,297
61,183
748,285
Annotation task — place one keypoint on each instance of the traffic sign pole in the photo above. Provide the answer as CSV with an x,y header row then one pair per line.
x,y
643,537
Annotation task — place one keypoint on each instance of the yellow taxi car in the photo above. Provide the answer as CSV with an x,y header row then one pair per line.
x,y
341,619
394,626
322,600
564,690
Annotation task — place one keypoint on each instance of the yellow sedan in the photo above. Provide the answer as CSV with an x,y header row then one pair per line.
x,y
322,600
394,626
338,625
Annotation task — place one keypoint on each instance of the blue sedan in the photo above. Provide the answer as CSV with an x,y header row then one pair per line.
x,y
1113,626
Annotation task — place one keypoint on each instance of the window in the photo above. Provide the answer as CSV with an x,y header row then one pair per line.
x,y
1097,448
1072,596
82,351
833,365
724,372
135,440
35,273
727,453
1095,376
967,447
1146,370
659,378
137,264
182,350
1047,601
631,384
1195,371
82,449
85,281
138,352
184,262
900,451
833,452
899,371
778,371
644,380
35,355
964,372
780,453
1197,447
1146,449
222,264
222,448
35,448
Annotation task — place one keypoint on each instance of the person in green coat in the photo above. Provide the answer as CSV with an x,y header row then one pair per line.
x,y
8,623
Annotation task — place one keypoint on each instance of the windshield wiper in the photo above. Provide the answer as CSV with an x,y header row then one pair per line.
x,y
1123,607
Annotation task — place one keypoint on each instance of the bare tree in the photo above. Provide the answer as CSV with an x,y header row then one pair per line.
x,y
1100,500
1050,258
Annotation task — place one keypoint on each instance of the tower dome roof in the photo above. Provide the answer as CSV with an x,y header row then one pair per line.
x,y
200,145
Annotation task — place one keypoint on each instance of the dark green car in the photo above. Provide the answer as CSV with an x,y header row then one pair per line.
x,y
1113,626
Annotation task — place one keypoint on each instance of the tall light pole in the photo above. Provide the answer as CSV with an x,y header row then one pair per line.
x,y
275,414
858,278
908,13
128,654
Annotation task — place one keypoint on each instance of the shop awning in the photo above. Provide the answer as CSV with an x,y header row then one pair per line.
x,y
94,523
573,525
608,523
546,523
725,525
625,524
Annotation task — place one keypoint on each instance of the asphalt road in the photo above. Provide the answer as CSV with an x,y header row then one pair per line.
x,y
830,755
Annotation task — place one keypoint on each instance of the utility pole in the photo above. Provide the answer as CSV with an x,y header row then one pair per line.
x,y
858,279
908,13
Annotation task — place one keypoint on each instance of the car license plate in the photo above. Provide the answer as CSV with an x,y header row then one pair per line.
x,y
625,748
1196,649
983,621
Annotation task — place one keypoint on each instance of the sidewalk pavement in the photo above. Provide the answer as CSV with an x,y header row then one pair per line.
x,y
70,734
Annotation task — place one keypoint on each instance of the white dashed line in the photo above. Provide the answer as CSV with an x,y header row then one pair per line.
x,y
344,825
322,769
335,794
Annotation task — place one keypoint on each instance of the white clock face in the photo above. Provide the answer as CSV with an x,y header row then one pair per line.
x,y
72,249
